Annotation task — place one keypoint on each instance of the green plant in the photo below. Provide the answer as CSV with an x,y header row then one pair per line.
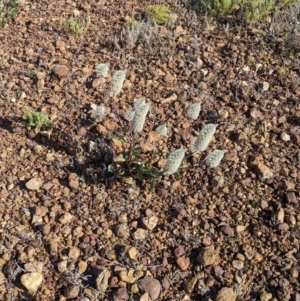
x,y
159,13
75,24
131,163
8,11
251,9
37,120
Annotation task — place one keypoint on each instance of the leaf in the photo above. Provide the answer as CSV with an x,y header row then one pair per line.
x,y
174,160
194,110
214,158
202,141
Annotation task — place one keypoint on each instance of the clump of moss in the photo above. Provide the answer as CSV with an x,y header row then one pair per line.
x,y
37,120
159,13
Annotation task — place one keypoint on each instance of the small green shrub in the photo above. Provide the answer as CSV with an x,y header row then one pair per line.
x,y
160,14
251,9
37,120
8,11
75,25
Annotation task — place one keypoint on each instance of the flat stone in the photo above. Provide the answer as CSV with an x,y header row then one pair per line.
x,y
151,286
71,291
61,71
102,280
207,256
150,222
34,184
32,281
226,294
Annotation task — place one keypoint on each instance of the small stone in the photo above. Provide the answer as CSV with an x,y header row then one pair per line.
x,y
130,276
74,253
183,263
226,294
291,198
179,251
240,228
121,294
73,181
102,280
150,222
71,291
140,234
279,216
283,227
32,281
264,296
41,210
133,253
227,230
207,256
62,266
285,137
82,266
165,283
150,286
35,266
189,285
61,71
34,184
238,264
66,218
98,81
122,231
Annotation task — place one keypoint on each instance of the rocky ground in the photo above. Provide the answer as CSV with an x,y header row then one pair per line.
x,y
70,228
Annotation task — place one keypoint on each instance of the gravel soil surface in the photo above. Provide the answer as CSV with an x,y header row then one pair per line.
x,y
77,223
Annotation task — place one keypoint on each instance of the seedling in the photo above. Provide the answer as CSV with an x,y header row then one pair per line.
x,y
37,120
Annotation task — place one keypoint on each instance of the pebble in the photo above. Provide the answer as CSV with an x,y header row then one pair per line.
x,y
179,251
226,294
74,253
238,264
227,230
121,294
35,266
73,181
165,283
71,291
122,231
264,296
133,253
62,266
207,256
285,137
130,276
150,286
189,285
32,281
82,266
61,71
140,234
66,218
150,222
34,184
183,263
102,280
